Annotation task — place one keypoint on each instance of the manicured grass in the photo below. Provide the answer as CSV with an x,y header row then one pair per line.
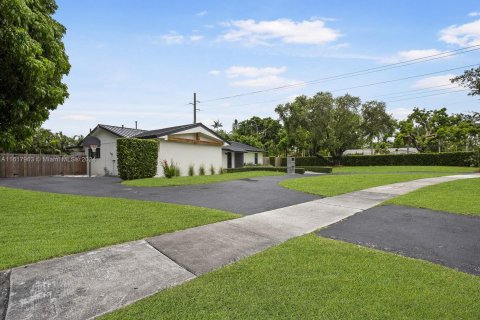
x,y
185,181
460,196
331,185
37,225
317,278
384,169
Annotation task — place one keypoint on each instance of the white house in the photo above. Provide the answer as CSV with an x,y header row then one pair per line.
x,y
237,154
186,145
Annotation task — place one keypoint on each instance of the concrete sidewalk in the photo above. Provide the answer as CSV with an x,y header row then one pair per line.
x,y
85,285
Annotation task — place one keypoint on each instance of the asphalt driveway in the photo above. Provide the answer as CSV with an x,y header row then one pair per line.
x,y
452,240
245,196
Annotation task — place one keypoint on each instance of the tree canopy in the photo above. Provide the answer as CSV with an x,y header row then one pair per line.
x,y
470,79
32,63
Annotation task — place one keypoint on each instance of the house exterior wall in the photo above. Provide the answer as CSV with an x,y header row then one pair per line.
x,y
224,160
107,163
250,158
185,154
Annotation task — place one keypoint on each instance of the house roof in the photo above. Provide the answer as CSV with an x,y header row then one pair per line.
x,y
124,132
172,130
241,147
120,131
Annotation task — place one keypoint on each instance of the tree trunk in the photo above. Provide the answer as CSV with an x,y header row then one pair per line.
x,y
371,147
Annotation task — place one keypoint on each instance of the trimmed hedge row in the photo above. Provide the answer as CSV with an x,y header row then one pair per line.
x,y
459,159
137,158
318,169
310,161
259,168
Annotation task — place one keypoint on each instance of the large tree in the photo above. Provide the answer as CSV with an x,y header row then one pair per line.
x,y
32,64
470,79
265,130
322,123
377,124
437,131
46,142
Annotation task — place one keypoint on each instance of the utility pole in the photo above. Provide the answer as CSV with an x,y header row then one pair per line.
x,y
195,101
194,107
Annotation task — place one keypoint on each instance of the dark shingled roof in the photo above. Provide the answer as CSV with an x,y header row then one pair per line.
x,y
172,130
149,134
165,131
121,131
241,147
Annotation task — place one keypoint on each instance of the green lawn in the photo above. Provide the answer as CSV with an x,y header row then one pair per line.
x,y
37,225
185,181
331,185
461,196
385,169
317,278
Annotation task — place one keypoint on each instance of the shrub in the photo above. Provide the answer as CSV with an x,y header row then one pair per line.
x,y
169,170
191,170
413,159
177,171
310,161
257,168
201,170
137,158
212,170
318,169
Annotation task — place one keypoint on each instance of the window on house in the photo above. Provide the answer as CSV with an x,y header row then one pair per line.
x,y
97,153
256,158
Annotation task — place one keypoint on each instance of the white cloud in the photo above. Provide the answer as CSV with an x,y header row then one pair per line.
x,y
443,80
411,55
214,72
253,77
172,38
196,38
464,35
202,13
175,38
253,72
285,30
78,117
474,14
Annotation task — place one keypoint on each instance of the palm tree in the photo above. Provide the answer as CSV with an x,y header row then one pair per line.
x,y
217,125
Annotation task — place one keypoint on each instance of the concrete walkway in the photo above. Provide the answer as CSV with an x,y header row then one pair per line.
x,y
86,285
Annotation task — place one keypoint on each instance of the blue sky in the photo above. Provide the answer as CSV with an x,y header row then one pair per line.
x,y
142,60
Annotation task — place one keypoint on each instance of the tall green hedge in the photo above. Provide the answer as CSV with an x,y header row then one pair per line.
x,y
137,158
461,159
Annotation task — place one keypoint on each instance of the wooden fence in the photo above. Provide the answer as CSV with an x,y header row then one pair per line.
x,y
33,165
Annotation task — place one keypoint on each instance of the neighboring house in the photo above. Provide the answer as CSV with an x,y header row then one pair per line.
x,y
237,154
368,152
186,145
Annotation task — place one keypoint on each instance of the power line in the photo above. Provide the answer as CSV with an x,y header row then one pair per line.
x,y
360,72
373,84
414,90
428,95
